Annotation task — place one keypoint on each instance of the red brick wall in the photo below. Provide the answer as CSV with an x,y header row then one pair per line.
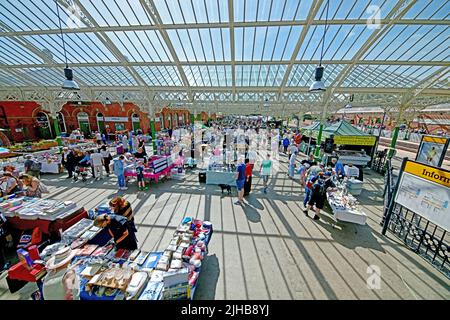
x,y
21,114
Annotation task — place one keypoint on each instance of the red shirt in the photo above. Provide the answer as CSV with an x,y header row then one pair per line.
x,y
248,170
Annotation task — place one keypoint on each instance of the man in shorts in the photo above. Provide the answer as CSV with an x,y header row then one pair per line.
x,y
319,193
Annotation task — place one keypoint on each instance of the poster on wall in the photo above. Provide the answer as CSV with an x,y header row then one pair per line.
x,y
432,150
425,190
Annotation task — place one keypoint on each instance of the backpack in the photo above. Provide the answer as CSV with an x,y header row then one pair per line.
x,y
36,166
319,187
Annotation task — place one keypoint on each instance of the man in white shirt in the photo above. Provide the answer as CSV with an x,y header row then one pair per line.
x,y
97,164
98,137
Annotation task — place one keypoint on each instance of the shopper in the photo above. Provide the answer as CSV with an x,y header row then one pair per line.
x,y
140,154
240,181
119,171
86,162
140,176
302,171
32,167
98,137
104,138
107,157
291,168
97,164
10,184
320,188
266,168
338,168
308,189
285,144
125,142
61,281
248,178
68,160
120,230
32,185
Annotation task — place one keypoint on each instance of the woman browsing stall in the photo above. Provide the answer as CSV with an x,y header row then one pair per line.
x,y
33,186
120,230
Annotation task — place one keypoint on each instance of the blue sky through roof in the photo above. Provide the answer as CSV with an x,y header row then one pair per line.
x,y
274,43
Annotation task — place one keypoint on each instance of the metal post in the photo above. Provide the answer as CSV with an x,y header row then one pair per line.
x,y
392,199
393,142
57,132
319,140
153,132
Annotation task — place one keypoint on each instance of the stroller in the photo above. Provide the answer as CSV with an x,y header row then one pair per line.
x,y
80,170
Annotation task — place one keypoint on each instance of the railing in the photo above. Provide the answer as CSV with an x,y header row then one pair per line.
x,y
389,186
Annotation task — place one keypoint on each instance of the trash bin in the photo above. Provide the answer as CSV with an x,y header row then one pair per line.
x,y
202,177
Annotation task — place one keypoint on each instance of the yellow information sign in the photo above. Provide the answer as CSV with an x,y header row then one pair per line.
x,y
355,140
435,139
423,171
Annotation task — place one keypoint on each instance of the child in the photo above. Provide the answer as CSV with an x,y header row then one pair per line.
x,y
140,176
119,171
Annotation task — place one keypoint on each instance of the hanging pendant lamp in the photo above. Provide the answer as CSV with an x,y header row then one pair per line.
x,y
69,83
318,85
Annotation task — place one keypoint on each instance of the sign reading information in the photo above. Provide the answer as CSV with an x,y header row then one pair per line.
x,y
425,190
355,140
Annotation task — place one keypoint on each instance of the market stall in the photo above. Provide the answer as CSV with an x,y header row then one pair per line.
x,y
24,213
157,168
344,206
348,143
107,273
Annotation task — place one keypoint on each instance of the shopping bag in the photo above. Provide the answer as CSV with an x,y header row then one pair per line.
x,y
43,188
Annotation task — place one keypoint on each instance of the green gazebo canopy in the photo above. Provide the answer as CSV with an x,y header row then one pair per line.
x,y
343,128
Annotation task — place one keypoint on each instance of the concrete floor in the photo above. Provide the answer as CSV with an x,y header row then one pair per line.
x,y
268,249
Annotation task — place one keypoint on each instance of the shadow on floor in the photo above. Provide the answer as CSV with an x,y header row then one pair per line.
x,y
207,282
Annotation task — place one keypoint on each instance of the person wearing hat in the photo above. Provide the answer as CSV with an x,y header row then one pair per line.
x,y
319,190
120,229
68,160
61,282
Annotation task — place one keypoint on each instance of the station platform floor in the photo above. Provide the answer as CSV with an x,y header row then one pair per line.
x,y
267,248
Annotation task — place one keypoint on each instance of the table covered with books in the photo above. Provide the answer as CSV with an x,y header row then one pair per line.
x,y
25,213
107,273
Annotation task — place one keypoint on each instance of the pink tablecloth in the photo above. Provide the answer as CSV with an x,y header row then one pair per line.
x,y
152,176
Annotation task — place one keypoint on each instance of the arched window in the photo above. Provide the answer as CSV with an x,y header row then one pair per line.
x,y
43,124
83,123
135,122
61,122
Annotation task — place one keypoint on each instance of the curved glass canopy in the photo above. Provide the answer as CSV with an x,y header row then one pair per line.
x,y
258,53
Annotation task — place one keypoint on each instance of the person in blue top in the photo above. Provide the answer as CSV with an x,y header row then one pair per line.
x,y
285,144
240,181
119,171
338,168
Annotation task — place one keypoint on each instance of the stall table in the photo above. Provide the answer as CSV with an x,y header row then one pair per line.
x,y
221,177
345,213
63,222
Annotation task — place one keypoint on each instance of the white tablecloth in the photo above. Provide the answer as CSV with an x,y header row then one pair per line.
x,y
52,167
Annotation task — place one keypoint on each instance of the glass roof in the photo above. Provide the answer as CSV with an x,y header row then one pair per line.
x,y
227,50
